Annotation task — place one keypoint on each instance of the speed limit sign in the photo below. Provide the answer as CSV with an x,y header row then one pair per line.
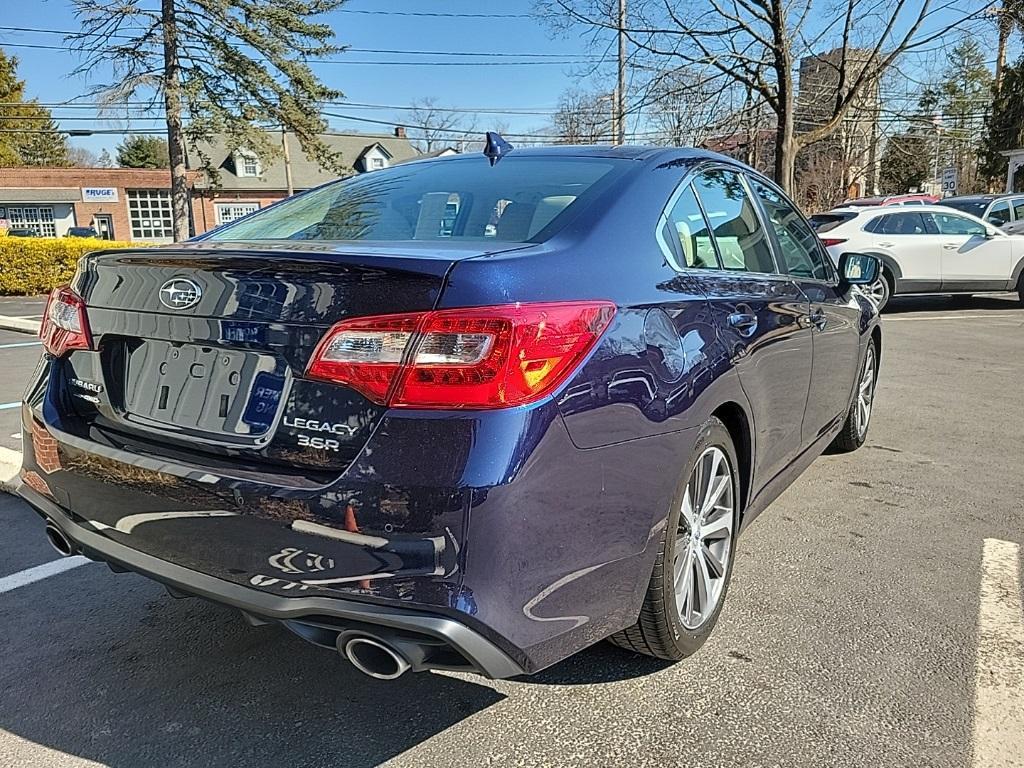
x,y
949,181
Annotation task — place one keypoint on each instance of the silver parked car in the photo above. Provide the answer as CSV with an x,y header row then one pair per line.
x,y
1003,211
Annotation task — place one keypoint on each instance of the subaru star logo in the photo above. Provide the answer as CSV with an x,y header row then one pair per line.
x,y
180,293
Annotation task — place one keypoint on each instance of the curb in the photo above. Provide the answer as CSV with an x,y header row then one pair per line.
x,y
17,324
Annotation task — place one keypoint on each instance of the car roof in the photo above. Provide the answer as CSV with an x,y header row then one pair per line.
x,y
981,198
627,151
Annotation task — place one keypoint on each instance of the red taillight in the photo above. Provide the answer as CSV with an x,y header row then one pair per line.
x,y
65,325
478,357
828,242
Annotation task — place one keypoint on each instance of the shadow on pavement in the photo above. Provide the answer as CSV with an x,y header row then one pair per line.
x,y
107,668
601,663
937,303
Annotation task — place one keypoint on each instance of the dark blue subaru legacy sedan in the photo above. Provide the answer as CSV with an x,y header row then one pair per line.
x,y
454,414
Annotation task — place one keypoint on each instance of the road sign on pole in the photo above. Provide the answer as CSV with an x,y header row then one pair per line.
x,y
949,181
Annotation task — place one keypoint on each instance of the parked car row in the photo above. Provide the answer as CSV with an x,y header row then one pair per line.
x,y
929,249
72,232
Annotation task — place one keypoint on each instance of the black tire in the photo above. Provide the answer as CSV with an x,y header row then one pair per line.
x,y
852,436
659,629
1020,289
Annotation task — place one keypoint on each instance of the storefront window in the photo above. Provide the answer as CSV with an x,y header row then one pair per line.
x,y
38,219
149,214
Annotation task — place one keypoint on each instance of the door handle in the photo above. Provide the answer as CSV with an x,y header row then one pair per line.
x,y
818,318
745,323
887,245
950,246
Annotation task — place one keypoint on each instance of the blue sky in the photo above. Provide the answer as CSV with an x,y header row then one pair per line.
x,y
481,85
46,72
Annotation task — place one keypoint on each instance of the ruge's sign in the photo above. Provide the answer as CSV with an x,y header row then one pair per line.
x,y
99,194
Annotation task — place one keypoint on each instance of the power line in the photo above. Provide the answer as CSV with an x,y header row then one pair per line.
x,y
40,46
482,54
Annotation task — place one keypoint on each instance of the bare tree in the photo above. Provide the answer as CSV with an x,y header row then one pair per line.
x,y
759,43
80,157
685,107
582,118
436,127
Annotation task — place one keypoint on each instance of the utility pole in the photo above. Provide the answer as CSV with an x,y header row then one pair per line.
x,y
287,162
620,95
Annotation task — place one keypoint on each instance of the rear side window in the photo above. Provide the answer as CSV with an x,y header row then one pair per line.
x,y
951,224
909,223
686,233
797,242
999,214
824,222
967,205
524,199
742,243
1018,209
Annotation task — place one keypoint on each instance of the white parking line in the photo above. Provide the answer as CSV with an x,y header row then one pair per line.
x,y
40,572
7,406
21,344
990,316
999,682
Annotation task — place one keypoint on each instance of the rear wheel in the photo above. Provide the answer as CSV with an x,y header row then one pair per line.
x,y
855,430
1020,289
880,291
694,563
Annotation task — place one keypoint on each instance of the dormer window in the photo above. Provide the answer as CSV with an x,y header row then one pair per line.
x,y
247,164
376,163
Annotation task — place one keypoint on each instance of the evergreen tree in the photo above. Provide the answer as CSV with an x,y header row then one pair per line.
x,y
233,68
961,97
143,152
904,163
1005,127
28,134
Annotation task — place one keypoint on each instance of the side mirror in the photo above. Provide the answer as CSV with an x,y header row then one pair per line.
x,y
858,269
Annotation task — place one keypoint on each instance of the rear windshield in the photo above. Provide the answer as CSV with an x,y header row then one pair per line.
x,y
516,200
973,207
823,222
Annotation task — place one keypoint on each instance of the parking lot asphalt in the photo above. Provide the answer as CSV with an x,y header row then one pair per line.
x,y
858,630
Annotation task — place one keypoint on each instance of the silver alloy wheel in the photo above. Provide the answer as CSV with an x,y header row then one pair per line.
x,y
865,393
704,538
877,292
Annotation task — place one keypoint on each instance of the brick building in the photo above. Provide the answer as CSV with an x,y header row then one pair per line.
x,y
119,203
134,204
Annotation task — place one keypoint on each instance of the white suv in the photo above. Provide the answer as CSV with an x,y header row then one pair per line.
x,y
926,249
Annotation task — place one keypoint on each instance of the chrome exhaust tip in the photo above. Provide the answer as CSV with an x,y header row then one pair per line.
x,y
59,541
374,658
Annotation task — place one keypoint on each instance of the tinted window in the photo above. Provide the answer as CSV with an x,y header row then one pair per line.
x,y
800,253
823,222
1018,208
951,224
973,207
999,214
741,242
909,223
686,231
519,200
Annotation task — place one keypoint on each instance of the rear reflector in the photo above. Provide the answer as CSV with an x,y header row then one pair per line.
x,y
828,242
478,357
65,325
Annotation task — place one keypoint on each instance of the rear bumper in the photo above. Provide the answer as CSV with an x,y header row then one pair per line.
x,y
317,619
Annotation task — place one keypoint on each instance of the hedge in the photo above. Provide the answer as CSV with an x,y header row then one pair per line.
x,y
31,265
